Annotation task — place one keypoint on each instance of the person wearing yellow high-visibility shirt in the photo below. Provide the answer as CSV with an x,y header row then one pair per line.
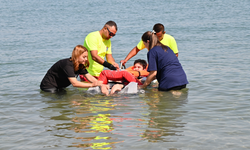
x,y
164,38
98,44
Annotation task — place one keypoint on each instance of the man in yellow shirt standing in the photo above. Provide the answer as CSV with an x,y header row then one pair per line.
x,y
98,44
164,38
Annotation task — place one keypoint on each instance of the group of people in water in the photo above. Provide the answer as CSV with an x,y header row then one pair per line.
x,y
88,61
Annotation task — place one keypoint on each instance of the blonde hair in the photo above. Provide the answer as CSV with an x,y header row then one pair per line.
x,y
77,51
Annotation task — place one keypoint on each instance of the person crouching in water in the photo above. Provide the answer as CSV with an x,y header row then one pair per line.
x,y
65,72
163,65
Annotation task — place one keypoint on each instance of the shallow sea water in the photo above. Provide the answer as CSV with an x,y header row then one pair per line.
x,y
211,113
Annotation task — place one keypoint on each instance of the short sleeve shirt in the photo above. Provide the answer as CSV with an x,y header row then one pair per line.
x,y
167,40
169,70
94,41
57,76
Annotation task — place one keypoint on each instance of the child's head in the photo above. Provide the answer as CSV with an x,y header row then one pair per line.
x,y
140,64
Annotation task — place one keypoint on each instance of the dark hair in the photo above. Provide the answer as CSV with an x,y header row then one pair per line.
x,y
158,28
153,40
111,24
141,62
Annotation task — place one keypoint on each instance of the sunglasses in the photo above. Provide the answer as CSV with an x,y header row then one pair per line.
x,y
110,33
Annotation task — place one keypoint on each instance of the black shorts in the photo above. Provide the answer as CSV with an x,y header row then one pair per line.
x,y
173,88
53,90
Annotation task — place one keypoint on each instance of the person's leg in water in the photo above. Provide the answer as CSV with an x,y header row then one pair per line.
x,y
116,87
105,89
114,76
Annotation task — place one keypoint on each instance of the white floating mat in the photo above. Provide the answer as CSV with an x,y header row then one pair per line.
x,y
131,88
94,90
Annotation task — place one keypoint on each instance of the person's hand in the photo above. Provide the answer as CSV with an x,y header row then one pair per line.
x,y
105,89
96,83
115,65
116,87
105,86
110,66
123,62
141,86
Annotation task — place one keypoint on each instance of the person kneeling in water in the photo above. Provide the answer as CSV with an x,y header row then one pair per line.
x,y
65,72
122,78
163,65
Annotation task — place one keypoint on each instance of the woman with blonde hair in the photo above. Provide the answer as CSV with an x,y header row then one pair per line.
x,y
65,72
163,65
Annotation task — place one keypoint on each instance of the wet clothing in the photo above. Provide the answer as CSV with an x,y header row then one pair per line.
x,y
57,76
167,40
169,70
117,76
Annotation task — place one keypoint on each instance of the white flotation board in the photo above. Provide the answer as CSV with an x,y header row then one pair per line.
x,y
131,88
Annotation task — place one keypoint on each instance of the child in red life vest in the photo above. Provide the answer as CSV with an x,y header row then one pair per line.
x,y
132,74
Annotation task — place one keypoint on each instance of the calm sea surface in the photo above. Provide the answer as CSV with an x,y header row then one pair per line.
x,y
212,113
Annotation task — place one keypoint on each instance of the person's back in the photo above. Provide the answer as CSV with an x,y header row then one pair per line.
x,y
169,70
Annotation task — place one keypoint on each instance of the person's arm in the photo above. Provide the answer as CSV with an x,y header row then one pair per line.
x,y
111,60
131,54
150,78
173,46
77,83
90,78
96,57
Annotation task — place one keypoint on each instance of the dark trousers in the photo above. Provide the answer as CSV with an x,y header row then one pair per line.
x,y
173,88
53,90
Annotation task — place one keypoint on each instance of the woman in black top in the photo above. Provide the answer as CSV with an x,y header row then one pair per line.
x,y
65,72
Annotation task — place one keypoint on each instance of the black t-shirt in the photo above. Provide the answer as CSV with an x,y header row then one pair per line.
x,y
57,76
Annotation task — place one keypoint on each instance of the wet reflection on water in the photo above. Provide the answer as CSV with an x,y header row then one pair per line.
x,y
92,129
100,122
164,114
